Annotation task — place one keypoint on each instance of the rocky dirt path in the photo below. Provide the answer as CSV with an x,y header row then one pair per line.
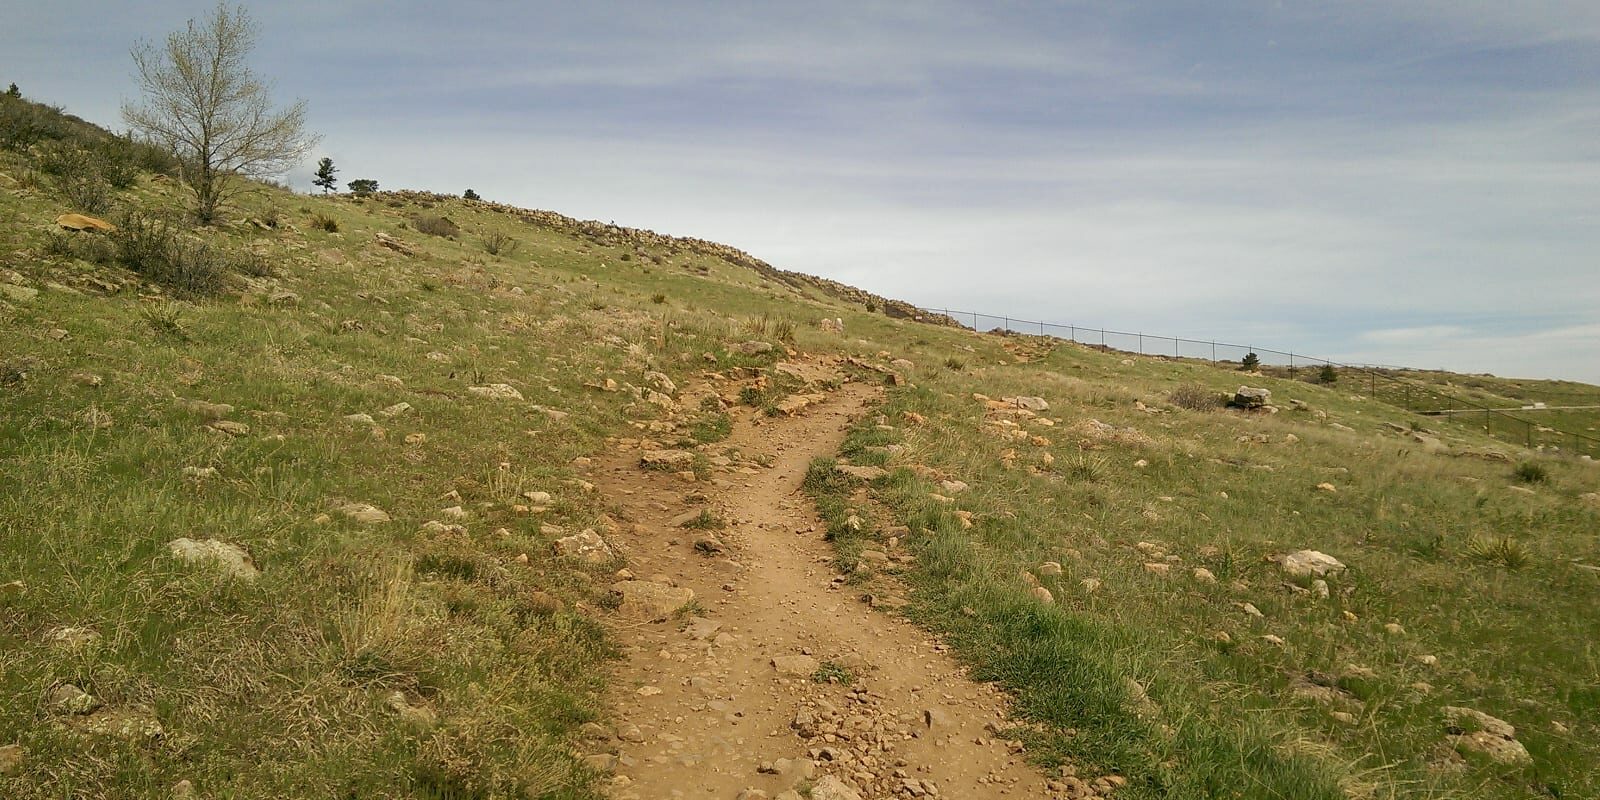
x,y
721,702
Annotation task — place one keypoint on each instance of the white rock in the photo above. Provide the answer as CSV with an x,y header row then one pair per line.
x,y
364,513
495,391
1311,563
231,559
585,546
830,787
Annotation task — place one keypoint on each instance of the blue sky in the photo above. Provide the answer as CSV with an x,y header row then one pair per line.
x,y
1408,183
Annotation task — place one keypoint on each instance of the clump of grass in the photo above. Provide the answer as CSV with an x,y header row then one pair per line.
x,y
434,225
1085,468
955,364
711,427
1504,550
1531,472
498,243
759,325
752,396
705,521
325,223
658,298
834,673
1195,397
166,321
783,330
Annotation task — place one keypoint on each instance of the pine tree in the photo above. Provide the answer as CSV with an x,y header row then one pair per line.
x,y
13,91
470,195
325,171
363,186
1251,362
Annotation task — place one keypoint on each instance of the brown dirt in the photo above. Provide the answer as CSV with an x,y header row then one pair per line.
x,y
701,709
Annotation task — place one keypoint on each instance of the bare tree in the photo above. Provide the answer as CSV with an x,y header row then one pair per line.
x,y
202,102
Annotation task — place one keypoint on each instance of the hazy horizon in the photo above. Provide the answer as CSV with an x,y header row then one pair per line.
x,y
1413,184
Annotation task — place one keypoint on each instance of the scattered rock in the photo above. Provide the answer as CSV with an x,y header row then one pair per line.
x,y
83,222
1090,585
385,240
1327,487
230,559
68,699
12,759
651,601
132,724
72,637
396,410
830,787
1043,595
800,666
666,459
364,513
1477,732
412,716
1249,398
1311,563
1050,568
753,348
1204,575
229,427
586,546
201,408
17,294
1029,403
495,391
865,473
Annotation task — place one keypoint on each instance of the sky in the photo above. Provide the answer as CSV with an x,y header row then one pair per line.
x,y
1412,183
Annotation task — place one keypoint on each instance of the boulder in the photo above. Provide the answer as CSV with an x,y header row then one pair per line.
x,y
829,787
364,513
229,559
1311,563
865,473
17,294
799,666
671,460
1030,403
12,758
586,546
754,348
1249,397
83,222
385,240
647,600
495,391
1476,732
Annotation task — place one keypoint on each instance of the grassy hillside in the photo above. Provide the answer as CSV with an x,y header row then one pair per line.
x,y
252,387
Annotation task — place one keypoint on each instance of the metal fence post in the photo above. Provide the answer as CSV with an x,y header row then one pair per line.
x,y
1213,349
1102,337
1141,343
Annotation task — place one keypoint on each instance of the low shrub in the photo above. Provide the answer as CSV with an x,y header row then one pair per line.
x,y
436,226
498,243
1195,397
1530,472
157,250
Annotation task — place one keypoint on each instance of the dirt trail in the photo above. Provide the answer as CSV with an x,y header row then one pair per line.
x,y
702,709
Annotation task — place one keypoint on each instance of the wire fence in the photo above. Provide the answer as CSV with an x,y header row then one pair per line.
x,y
1382,382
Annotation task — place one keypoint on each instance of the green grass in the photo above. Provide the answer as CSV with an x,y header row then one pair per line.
x,y
281,686
1477,576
